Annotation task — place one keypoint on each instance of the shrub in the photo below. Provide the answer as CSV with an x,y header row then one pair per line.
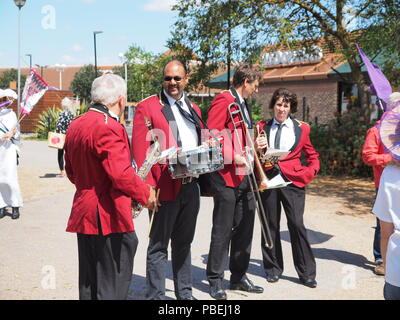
x,y
340,143
47,122
82,109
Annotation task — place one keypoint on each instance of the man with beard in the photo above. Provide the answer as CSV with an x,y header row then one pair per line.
x,y
176,118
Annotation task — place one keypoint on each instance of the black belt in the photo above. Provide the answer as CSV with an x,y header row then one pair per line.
x,y
187,180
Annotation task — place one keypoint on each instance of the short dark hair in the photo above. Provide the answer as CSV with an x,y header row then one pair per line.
x,y
287,96
177,62
246,71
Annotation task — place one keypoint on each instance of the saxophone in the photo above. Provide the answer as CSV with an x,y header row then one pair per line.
x,y
151,159
156,155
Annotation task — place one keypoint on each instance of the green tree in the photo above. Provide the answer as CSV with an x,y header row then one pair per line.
x,y
144,71
11,75
215,29
82,82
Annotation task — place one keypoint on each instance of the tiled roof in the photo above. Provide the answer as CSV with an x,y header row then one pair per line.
x,y
52,76
303,71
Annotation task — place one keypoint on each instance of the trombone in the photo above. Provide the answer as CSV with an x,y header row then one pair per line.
x,y
233,109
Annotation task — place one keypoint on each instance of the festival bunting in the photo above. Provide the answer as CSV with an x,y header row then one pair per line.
x,y
34,89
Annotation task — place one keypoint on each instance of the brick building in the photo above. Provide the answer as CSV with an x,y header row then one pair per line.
x,y
320,81
57,79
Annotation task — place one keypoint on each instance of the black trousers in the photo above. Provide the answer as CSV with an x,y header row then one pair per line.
x,y
106,265
60,158
293,199
175,220
233,224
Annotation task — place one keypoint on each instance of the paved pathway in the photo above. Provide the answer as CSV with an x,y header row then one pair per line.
x,y
38,259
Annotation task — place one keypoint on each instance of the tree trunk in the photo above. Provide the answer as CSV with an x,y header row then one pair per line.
x,y
358,78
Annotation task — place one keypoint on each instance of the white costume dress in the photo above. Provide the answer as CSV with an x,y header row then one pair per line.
x,y
387,208
10,193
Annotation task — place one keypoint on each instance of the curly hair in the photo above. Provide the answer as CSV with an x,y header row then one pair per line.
x,y
287,96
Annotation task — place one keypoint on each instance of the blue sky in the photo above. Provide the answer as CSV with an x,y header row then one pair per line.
x,y
61,31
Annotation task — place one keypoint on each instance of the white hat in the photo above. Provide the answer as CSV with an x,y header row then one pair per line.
x,y
8,93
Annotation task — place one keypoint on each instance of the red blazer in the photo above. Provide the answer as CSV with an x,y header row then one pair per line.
x,y
157,110
219,119
291,166
373,153
98,163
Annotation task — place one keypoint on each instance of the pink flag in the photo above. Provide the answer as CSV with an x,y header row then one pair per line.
x,y
34,89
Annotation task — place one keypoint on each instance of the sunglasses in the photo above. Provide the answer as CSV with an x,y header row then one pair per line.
x,y
176,78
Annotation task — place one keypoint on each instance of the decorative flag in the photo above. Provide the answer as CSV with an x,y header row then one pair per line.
x,y
380,83
34,89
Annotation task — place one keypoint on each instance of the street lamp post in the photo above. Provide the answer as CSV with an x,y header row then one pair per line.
x,y
95,55
19,4
41,69
125,63
30,60
60,68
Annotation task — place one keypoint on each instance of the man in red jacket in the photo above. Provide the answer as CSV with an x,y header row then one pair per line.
x,y
286,133
234,209
98,163
176,122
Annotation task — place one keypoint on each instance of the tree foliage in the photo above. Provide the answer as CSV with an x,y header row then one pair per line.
x,y
10,75
243,29
144,71
82,82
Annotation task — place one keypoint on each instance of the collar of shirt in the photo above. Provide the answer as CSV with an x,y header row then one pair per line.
x,y
172,101
241,100
288,122
113,115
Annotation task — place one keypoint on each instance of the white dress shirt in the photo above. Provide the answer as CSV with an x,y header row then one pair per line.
x,y
245,111
186,129
288,136
246,114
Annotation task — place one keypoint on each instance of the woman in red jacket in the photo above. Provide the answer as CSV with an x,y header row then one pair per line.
x,y
286,133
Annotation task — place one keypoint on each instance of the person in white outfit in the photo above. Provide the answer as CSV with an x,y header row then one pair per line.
x,y
387,209
10,193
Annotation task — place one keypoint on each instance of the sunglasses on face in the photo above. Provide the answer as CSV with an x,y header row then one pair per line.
x,y
176,78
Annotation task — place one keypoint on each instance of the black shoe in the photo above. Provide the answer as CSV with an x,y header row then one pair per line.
x,y
217,292
3,212
15,213
311,283
272,279
246,285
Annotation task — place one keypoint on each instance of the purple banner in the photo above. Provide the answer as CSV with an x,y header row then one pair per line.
x,y
379,82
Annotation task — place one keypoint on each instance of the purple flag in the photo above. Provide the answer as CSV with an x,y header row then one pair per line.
x,y
380,84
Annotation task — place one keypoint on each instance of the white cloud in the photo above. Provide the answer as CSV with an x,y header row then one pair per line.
x,y
159,5
89,1
77,48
